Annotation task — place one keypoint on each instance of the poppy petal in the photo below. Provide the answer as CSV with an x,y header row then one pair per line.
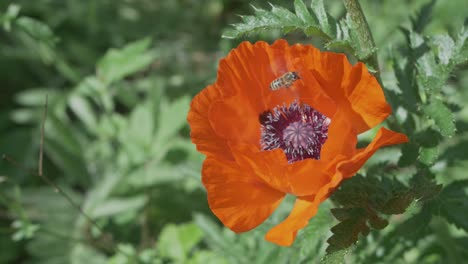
x,y
383,138
346,84
306,207
270,166
342,137
223,114
366,97
307,176
201,131
239,198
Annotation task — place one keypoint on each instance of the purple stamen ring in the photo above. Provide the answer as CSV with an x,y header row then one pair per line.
x,y
298,129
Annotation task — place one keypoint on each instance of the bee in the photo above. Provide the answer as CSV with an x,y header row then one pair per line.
x,y
285,80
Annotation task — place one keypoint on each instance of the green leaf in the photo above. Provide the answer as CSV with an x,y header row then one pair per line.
x,y
353,221
175,242
311,239
424,187
461,47
446,47
398,203
428,155
83,110
25,230
207,257
423,17
114,206
337,257
37,30
278,18
303,13
286,16
409,154
171,119
214,236
319,10
442,117
140,129
85,254
452,203
10,15
35,97
117,64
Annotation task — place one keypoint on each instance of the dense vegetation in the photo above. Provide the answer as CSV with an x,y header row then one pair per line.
x,y
119,77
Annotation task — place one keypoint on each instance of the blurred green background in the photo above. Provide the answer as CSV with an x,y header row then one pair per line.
x,y
119,75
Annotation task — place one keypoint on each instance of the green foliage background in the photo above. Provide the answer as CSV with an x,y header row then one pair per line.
x,y
120,75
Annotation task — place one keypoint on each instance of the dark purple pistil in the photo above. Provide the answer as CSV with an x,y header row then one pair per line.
x,y
298,129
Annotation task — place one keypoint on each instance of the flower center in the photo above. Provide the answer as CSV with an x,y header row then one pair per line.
x,y
298,129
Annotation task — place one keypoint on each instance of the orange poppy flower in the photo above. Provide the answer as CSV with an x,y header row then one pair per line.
x,y
262,143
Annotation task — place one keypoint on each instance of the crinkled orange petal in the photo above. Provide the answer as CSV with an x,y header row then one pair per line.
x,y
350,86
307,176
366,97
270,166
201,131
383,138
342,138
285,233
223,114
306,207
238,197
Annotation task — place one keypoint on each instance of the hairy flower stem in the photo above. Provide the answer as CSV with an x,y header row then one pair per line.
x,y
367,44
366,41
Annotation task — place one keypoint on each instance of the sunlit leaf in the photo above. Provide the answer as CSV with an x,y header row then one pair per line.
x,y
118,64
175,242
442,117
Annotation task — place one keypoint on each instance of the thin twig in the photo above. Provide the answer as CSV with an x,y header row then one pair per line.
x,y
51,183
41,142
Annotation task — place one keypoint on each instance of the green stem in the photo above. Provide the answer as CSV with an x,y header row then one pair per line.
x,y
360,25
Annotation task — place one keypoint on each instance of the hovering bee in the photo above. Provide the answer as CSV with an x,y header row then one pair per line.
x,y
286,80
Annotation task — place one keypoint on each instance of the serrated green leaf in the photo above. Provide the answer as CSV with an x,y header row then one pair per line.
x,y
303,13
409,154
398,203
286,17
311,239
445,45
318,8
377,222
336,257
342,213
423,17
442,117
347,232
452,203
340,45
409,92
423,187
428,138
461,47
